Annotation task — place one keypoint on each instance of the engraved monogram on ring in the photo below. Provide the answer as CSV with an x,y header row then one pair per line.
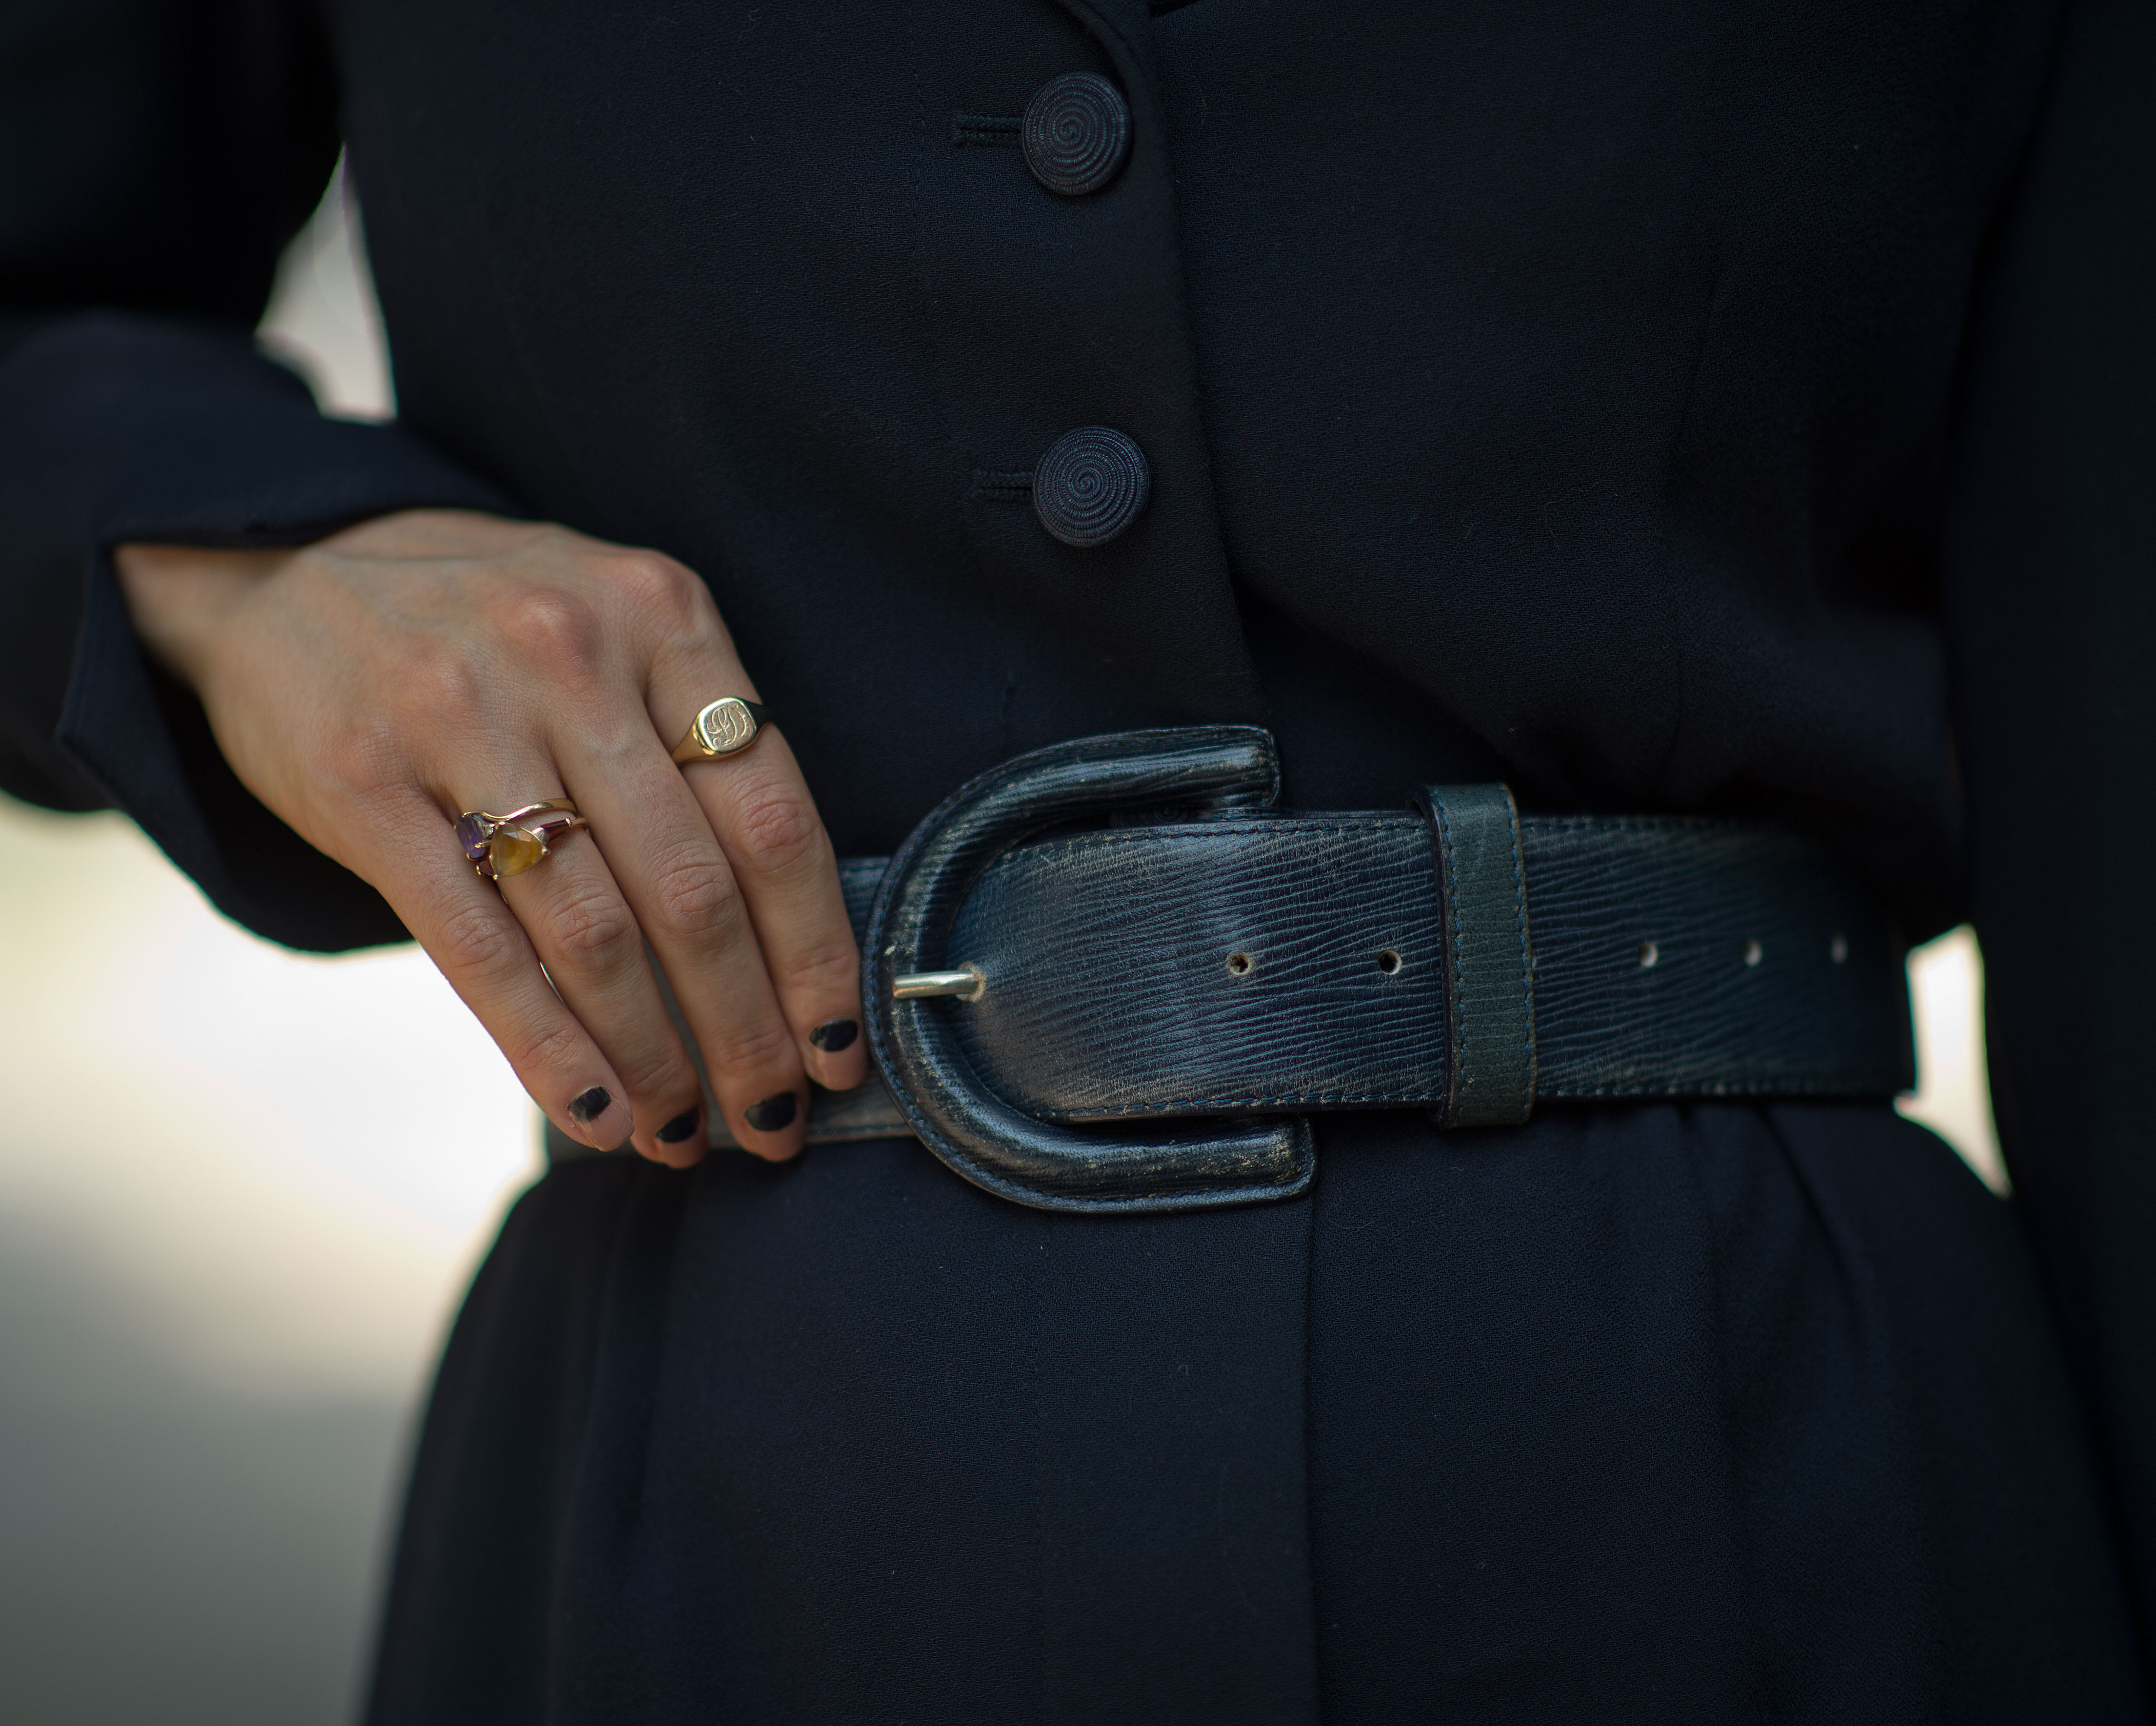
x,y
725,728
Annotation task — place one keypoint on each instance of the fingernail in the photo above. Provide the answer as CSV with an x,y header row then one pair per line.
x,y
587,1106
773,1115
835,1034
680,1127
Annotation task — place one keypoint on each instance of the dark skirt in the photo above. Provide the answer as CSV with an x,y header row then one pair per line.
x,y
1711,1412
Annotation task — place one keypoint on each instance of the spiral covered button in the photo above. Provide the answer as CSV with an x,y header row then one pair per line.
x,y
1091,485
1076,134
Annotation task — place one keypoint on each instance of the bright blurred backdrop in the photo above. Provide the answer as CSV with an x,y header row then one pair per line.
x,y
241,1191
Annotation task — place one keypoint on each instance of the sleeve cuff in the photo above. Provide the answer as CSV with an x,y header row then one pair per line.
x,y
117,428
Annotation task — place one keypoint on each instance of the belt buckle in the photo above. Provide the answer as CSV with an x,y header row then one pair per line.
x,y
912,989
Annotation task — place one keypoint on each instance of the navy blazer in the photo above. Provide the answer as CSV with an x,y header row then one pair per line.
x,y
1657,406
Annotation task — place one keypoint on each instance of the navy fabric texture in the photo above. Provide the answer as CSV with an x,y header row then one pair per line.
x,y
1657,407
1690,1413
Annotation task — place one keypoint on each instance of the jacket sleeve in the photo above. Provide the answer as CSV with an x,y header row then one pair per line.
x,y
160,154
2049,572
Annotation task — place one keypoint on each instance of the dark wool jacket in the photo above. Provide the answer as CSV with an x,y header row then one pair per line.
x,y
1657,406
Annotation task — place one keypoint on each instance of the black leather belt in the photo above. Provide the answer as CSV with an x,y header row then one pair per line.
x,y
1109,976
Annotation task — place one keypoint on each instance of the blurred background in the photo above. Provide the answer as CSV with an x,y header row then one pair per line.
x,y
241,1191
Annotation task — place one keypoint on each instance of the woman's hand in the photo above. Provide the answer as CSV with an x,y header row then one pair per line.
x,y
370,687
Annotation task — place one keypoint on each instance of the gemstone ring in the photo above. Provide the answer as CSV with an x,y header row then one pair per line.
x,y
498,845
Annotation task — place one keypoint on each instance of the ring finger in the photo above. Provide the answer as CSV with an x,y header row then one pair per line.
x,y
587,937
683,892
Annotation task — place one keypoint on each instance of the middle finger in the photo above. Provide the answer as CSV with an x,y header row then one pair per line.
x,y
675,877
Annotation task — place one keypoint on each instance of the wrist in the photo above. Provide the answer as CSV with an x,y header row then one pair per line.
x,y
180,597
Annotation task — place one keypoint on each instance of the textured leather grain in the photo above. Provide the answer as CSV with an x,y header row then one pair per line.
x,y
1776,970
919,1045
1224,960
1110,992
1113,989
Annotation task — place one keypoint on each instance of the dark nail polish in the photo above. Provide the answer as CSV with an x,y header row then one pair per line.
x,y
590,1105
773,1115
835,1034
680,1127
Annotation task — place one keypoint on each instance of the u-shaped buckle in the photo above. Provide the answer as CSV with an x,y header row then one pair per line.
x,y
911,990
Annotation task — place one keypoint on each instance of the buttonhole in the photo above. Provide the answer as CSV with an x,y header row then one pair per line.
x,y
999,487
1837,949
1240,965
1005,130
1753,952
1389,961
1649,953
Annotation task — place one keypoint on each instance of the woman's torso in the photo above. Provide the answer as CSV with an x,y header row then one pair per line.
x,y
1551,395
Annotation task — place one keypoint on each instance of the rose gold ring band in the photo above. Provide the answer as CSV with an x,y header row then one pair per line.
x,y
497,846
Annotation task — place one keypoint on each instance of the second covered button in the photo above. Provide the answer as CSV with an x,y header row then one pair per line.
x,y
1076,133
1091,485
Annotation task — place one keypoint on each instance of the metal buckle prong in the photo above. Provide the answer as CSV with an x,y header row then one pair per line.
x,y
966,984
1151,1165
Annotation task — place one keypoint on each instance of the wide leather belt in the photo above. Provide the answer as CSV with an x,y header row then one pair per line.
x,y
1109,976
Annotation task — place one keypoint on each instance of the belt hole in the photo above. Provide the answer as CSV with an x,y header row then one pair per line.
x,y
1753,952
1649,953
1240,965
1389,961
1837,949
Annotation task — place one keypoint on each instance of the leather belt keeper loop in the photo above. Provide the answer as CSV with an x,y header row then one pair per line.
x,y
1161,1003
1490,1002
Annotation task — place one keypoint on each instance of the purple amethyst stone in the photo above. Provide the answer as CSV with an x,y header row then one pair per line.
x,y
473,832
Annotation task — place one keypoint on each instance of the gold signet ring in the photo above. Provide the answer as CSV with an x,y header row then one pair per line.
x,y
725,728
500,845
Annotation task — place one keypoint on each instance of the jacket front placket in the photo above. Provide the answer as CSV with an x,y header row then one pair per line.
x,y
1168,1417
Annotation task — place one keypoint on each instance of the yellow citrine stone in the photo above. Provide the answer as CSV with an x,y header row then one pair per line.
x,y
512,850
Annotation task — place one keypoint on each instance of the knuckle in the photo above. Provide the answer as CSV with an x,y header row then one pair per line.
x,y
435,690
759,1048
776,829
554,1048
557,632
477,943
557,544
432,691
695,898
546,1046
364,756
655,585
824,968
438,680
659,1072
592,929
